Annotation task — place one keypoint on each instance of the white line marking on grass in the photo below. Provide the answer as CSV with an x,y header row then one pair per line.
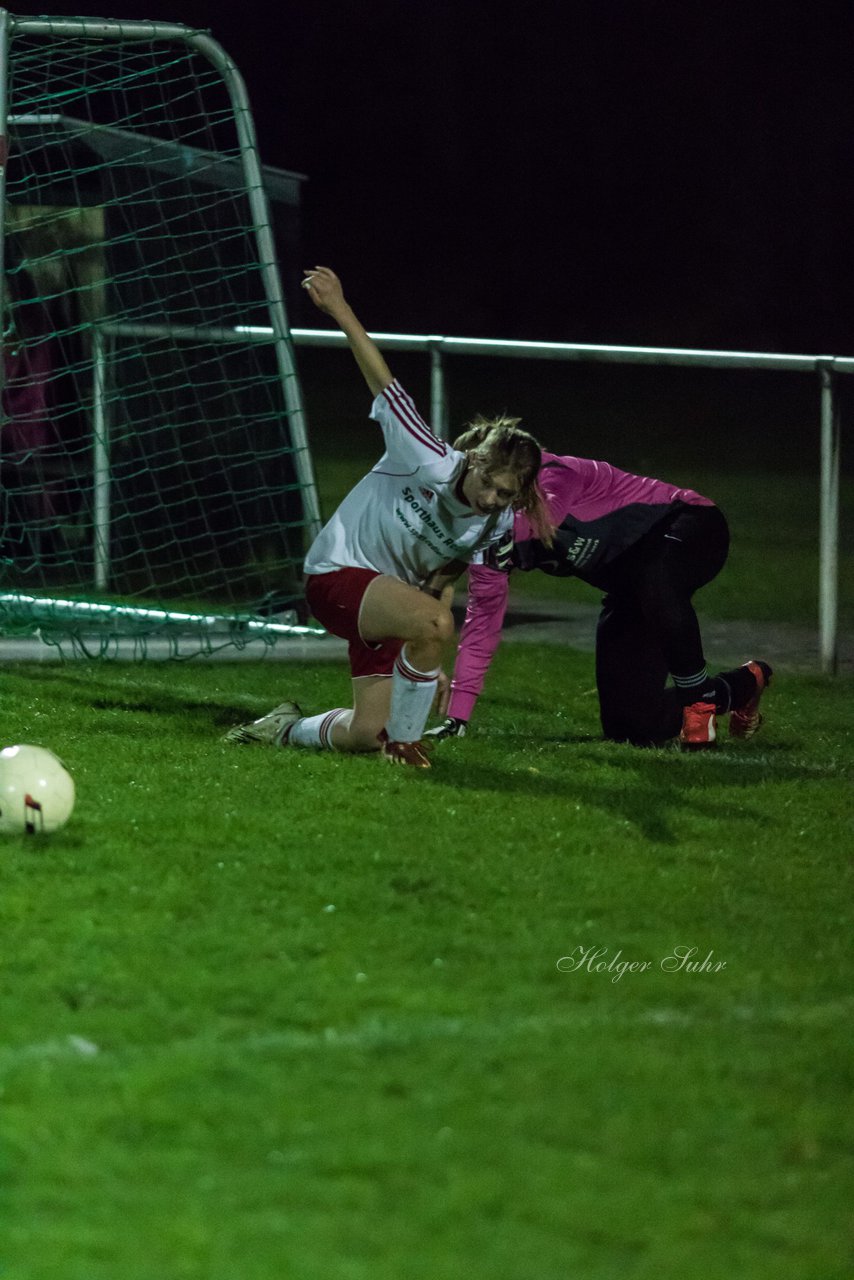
x,y
386,1033
741,760
69,1047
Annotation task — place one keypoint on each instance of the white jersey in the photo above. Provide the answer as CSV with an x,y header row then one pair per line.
x,y
405,519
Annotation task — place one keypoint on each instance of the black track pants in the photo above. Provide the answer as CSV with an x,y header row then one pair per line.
x,y
648,628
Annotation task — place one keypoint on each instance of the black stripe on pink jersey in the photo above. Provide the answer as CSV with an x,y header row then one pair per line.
x,y
403,408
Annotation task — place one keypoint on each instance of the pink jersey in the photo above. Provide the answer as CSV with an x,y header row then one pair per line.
x,y
598,512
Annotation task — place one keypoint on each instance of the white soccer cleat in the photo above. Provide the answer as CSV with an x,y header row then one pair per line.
x,y
449,728
270,731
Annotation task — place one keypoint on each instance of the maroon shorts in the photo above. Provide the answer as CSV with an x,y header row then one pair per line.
x,y
335,599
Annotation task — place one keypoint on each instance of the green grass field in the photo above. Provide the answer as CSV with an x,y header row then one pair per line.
x,y
285,1016
276,1014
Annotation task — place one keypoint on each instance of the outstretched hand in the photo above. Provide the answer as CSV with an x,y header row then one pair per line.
x,y
324,289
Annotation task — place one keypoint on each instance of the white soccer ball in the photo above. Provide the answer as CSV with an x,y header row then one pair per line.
x,y
36,791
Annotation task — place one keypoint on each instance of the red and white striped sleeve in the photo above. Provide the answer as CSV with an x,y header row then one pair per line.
x,y
409,441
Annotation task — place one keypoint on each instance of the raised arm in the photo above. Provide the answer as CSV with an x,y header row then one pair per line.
x,y
324,289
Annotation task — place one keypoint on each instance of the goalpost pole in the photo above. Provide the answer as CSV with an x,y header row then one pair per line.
x,y
236,87
4,156
267,256
100,460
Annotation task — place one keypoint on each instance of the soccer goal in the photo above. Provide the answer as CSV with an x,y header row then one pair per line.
x,y
154,470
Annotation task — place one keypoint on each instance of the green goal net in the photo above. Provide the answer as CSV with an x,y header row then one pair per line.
x,y
154,471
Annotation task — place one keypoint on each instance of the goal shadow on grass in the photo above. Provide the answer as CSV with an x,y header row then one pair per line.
x,y
109,689
660,797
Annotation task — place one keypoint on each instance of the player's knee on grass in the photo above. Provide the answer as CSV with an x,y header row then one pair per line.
x,y
641,730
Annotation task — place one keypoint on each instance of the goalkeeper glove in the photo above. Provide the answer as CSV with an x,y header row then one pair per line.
x,y
449,728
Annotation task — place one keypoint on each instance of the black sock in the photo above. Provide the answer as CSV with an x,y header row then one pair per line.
x,y
714,689
742,683
692,688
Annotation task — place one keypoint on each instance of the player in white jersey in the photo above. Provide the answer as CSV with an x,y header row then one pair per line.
x,y
421,514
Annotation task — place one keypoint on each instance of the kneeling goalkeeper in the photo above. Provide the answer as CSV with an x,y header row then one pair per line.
x,y
649,546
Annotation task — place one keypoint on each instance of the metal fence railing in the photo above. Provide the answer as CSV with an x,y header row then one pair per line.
x,y
825,367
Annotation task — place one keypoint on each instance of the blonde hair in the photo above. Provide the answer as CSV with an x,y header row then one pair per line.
x,y
499,444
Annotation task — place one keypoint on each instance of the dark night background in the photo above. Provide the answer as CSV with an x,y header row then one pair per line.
x,y
665,173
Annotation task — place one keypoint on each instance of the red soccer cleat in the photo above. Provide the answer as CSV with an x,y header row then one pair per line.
x,y
745,722
409,753
698,727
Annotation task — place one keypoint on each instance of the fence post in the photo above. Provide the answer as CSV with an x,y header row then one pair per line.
x,y
828,563
438,396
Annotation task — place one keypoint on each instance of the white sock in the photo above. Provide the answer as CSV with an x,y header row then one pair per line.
x,y
316,731
412,694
